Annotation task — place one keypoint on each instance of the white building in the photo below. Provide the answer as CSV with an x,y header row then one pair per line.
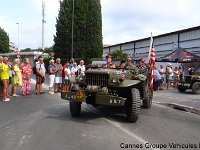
x,y
188,39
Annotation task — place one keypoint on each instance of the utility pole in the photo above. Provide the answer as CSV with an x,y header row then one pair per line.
x,y
18,37
43,22
72,51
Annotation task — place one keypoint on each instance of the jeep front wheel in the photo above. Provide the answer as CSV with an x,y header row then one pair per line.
x,y
133,105
75,108
181,89
196,88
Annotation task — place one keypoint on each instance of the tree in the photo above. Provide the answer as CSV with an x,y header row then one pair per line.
x,y
118,54
94,30
87,29
26,50
48,49
4,41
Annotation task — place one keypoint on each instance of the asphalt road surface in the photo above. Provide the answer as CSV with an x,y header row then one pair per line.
x,y
44,123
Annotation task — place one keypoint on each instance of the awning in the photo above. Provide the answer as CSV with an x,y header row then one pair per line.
x,y
179,55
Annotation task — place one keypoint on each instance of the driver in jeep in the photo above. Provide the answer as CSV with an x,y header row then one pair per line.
x,y
131,66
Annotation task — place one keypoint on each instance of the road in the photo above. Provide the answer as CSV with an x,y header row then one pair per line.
x,y
44,123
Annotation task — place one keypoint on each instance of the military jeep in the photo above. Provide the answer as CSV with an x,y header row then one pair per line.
x,y
189,82
111,87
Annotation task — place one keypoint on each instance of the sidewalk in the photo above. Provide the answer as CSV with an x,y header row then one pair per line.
x,y
183,101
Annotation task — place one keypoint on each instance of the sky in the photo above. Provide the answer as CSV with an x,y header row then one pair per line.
x,y
123,20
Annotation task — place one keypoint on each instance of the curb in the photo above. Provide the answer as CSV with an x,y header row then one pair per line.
x,y
180,107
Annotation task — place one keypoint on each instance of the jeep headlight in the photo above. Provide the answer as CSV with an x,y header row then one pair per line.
x,y
115,80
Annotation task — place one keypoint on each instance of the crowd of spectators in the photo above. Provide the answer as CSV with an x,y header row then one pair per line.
x,y
18,76
168,74
60,75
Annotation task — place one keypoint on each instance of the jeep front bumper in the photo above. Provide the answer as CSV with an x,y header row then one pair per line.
x,y
100,98
186,85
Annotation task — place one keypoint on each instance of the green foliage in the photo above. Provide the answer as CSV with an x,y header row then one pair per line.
x,y
118,54
4,41
87,29
94,45
48,50
46,62
26,50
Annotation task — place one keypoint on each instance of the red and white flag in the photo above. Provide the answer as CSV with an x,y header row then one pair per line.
x,y
152,61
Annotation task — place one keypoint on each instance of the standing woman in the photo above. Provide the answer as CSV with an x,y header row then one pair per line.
x,y
81,68
5,78
67,76
58,75
74,69
52,70
16,78
26,69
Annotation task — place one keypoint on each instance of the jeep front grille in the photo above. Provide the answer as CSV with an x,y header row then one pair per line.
x,y
97,79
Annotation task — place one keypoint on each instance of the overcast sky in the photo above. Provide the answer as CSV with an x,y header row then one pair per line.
x,y
123,20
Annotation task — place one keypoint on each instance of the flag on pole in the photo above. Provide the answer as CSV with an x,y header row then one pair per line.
x,y
152,62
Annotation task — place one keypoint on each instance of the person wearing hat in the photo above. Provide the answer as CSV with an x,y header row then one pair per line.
x,y
131,66
169,75
108,60
162,73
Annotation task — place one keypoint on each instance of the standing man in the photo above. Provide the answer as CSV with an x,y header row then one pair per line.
x,y
157,79
40,76
71,63
58,76
162,73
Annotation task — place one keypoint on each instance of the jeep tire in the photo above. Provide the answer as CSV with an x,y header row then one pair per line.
x,y
196,88
75,108
133,105
181,88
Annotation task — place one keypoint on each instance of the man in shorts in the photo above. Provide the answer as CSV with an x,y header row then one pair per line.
x,y
40,76
58,76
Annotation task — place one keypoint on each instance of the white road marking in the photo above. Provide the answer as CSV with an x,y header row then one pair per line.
x,y
118,125
115,124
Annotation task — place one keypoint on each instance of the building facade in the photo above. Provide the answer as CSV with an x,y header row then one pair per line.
x,y
188,39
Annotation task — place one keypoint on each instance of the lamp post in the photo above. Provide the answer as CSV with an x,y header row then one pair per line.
x,y
18,37
72,50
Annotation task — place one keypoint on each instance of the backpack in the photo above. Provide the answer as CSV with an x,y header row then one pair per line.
x,y
34,69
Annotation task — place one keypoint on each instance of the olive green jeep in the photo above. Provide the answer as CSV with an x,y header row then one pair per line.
x,y
189,82
111,87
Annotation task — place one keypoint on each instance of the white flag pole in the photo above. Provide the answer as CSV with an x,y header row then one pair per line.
x,y
150,47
